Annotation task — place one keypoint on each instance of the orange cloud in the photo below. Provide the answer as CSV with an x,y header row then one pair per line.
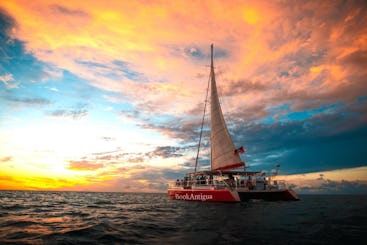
x,y
26,181
6,159
84,165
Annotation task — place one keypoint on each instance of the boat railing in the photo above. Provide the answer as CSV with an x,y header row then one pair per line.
x,y
197,185
280,184
261,184
175,185
226,183
209,185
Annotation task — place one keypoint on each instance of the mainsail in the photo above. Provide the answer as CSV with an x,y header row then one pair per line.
x,y
223,154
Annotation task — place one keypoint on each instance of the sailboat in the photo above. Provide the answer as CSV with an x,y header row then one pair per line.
x,y
225,181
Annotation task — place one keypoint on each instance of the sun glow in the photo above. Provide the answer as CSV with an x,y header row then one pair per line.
x,y
250,16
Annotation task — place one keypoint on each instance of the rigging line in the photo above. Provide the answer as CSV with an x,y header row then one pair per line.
x,y
202,122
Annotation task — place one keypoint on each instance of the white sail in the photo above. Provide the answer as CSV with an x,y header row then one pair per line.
x,y
223,154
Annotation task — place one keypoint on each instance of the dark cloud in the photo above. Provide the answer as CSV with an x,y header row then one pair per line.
x,y
247,114
106,157
132,114
122,158
158,185
166,152
185,131
92,64
203,163
323,142
160,175
135,159
356,59
125,68
14,59
118,156
75,19
194,52
189,165
30,101
67,11
6,23
243,87
77,112
74,114
335,187
197,53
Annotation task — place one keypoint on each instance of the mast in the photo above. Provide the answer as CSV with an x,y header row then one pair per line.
x,y
202,125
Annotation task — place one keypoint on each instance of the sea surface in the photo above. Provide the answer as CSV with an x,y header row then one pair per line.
x,y
32,217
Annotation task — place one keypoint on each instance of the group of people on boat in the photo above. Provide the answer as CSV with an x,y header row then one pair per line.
x,y
198,180
252,183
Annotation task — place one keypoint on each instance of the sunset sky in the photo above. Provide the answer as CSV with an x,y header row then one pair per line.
x,y
108,95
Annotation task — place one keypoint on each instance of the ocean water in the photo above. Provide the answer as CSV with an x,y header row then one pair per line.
x,y
30,217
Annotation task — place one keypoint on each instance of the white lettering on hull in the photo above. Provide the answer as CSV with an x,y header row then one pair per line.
x,y
193,197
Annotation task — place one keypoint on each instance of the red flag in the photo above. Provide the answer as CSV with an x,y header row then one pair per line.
x,y
239,150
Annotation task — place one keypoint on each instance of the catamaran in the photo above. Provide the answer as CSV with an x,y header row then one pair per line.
x,y
225,181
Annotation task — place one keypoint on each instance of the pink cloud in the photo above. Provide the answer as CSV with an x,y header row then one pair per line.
x,y
84,165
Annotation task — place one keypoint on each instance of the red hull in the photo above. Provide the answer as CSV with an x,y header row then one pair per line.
x,y
204,195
